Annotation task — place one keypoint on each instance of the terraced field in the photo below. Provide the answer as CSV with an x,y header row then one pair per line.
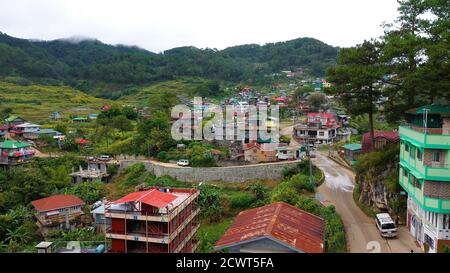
x,y
37,102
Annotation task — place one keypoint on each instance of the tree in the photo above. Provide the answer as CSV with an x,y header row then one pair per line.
x,y
154,134
357,77
5,112
90,192
316,101
121,123
416,52
300,92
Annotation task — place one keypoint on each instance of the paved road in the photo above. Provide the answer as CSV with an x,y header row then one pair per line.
x,y
362,235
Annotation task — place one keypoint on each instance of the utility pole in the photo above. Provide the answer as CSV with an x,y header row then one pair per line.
x,y
425,119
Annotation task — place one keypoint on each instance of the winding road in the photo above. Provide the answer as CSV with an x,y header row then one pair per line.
x,y
361,232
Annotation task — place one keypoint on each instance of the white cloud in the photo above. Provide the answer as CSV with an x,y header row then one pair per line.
x,y
158,25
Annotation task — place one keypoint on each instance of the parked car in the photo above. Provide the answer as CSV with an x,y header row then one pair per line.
x,y
386,225
183,162
104,158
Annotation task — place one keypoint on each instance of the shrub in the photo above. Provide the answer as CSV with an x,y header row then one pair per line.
x,y
211,203
242,200
284,192
302,182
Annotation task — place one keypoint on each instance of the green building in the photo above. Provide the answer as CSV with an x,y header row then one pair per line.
x,y
425,174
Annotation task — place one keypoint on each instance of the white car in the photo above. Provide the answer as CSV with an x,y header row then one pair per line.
x,y
104,158
183,162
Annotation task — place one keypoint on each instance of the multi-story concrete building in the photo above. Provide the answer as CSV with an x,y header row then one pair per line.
x,y
425,174
154,221
14,153
318,128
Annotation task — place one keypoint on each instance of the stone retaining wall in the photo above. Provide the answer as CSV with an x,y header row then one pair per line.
x,y
268,171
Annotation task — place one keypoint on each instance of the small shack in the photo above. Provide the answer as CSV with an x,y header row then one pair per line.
x,y
351,152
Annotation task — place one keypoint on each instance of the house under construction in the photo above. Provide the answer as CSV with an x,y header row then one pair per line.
x,y
156,220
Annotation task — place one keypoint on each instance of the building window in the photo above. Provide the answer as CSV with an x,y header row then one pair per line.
x,y
406,148
436,156
321,133
415,182
429,241
405,172
419,154
446,221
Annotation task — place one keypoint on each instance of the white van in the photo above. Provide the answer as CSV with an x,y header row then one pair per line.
x,y
386,225
183,162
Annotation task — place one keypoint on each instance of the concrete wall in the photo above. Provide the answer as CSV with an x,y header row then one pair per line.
x,y
267,171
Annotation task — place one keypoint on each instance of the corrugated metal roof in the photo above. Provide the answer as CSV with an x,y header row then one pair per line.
x,y
152,197
284,223
10,144
352,146
57,202
432,109
390,136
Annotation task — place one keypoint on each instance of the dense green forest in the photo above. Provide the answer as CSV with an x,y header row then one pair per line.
x,y
83,64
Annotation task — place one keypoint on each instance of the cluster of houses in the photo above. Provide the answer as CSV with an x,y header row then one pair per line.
x,y
18,127
166,220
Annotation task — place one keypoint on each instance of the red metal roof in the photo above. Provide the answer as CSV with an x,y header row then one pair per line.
x,y
152,197
57,202
81,141
390,136
322,115
280,221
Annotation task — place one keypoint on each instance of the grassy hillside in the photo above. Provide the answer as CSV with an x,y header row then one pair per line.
x,y
166,90
37,102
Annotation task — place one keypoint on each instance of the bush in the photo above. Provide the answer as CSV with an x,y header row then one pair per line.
x,y
211,203
284,192
162,156
90,192
242,200
302,182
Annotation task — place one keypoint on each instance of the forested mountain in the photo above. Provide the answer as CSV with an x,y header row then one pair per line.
x,y
72,61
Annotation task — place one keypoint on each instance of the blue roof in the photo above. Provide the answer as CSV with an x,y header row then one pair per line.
x,y
352,146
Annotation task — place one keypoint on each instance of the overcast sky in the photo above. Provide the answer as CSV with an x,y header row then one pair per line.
x,y
158,25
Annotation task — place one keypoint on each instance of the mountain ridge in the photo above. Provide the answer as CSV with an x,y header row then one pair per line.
x,y
90,60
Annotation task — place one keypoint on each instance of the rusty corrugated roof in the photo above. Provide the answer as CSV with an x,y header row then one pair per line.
x,y
283,222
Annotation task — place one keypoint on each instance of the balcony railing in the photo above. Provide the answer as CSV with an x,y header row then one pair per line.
x,y
437,165
430,131
435,138
155,216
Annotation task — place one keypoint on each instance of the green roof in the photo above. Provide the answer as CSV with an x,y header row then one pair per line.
x,y
79,118
12,118
433,109
352,146
9,144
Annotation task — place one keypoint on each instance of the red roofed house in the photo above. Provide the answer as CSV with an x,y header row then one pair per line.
x,y
382,138
274,228
318,128
261,152
82,141
154,221
106,107
58,211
